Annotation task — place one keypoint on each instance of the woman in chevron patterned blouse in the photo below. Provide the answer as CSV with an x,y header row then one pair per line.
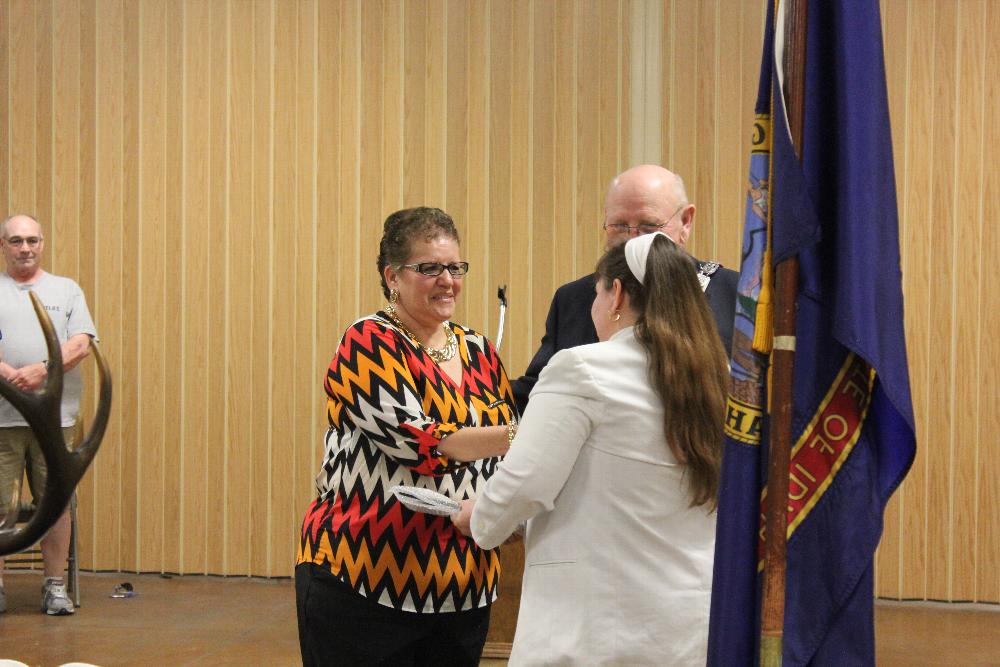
x,y
415,400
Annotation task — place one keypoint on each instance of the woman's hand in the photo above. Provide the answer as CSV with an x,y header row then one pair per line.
x,y
463,517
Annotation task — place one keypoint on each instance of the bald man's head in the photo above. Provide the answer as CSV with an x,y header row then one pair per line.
x,y
645,199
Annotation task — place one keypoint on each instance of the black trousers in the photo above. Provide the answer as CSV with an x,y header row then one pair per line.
x,y
338,626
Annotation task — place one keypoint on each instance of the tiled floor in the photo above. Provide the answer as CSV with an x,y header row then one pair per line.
x,y
230,621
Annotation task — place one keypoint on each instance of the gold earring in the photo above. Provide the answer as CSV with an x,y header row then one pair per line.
x,y
393,297
617,316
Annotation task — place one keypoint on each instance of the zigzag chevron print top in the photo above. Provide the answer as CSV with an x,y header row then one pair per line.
x,y
389,405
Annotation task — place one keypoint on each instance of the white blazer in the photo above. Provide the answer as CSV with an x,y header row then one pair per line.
x,y
618,567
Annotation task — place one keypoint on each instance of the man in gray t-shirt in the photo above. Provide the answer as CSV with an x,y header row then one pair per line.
x,y
23,357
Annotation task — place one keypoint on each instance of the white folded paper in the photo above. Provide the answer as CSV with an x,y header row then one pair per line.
x,y
425,500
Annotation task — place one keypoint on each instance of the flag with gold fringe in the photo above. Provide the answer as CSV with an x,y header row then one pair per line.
x,y
852,422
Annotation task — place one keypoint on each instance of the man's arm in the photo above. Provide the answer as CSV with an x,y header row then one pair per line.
x,y
75,350
31,377
7,371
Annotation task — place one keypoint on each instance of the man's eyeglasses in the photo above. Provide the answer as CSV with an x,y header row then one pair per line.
x,y
434,269
17,241
642,227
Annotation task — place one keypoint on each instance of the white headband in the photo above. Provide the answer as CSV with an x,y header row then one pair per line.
x,y
636,252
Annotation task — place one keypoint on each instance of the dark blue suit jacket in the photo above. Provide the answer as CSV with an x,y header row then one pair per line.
x,y
568,323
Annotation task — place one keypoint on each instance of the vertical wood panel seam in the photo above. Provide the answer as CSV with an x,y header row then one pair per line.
x,y
314,328
530,205
984,42
121,283
953,333
488,138
619,74
164,167
904,261
8,148
139,308
96,295
358,109
227,287
182,436
444,136
52,140
928,355
272,285
575,123
672,96
716,194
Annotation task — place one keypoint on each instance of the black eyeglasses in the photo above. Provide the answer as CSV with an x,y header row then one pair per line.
x,y
434,269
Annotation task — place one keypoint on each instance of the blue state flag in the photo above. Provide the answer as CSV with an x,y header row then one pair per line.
x,y
852,424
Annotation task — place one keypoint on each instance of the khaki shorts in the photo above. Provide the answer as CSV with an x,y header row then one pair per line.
x,y
19,447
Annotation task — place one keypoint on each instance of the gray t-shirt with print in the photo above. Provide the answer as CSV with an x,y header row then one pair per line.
x,y
21,339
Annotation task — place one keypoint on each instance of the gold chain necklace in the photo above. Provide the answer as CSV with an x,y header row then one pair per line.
x,y
438,354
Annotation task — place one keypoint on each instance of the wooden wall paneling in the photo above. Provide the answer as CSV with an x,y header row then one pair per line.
x,y
5,53
373,114
349,240
517,231
706,114
435,107
887,569
414,105
285,277
589,190
61,31
85,205
478,214
193,271
174,298
916,239
63,247
327,327
216,236
152,279
735,74
392,129
611,156
262,369
967,171
501,160
564,196
456,115
127,402
941,427
546,245
102,501
329,212
242,324
305,426
680,144
74,193
987,528
22,100
156,139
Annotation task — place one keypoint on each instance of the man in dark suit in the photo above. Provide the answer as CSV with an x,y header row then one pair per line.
x,y
640,200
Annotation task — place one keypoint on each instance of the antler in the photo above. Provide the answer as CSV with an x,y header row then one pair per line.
x,y
42,411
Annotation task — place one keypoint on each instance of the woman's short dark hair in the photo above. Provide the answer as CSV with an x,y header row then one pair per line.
x,y
403,227
687,363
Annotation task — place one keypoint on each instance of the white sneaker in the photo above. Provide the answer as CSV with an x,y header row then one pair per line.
x,y
55,602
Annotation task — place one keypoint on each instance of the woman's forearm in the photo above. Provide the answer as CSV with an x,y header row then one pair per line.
x,y
475,442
